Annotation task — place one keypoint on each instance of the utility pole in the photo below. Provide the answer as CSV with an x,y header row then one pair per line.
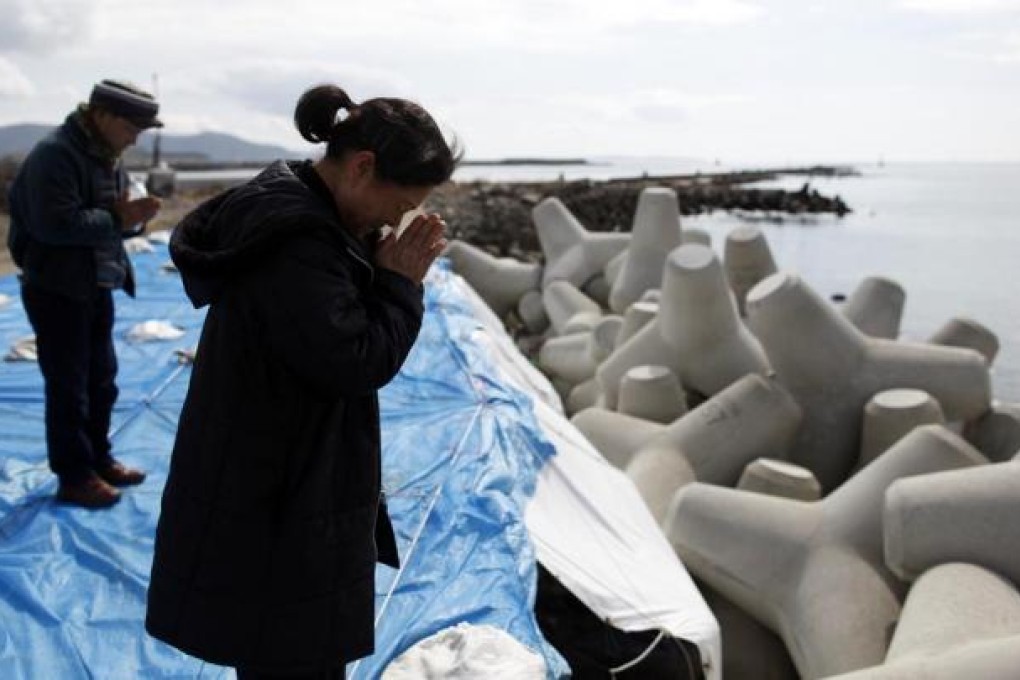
x,y
161,180
157,140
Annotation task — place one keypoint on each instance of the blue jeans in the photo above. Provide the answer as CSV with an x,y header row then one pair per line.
x,y
74,340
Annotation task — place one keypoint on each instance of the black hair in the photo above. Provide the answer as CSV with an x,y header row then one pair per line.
x,y
409,148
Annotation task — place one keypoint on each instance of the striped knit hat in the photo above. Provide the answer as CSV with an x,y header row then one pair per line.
x,y
127,101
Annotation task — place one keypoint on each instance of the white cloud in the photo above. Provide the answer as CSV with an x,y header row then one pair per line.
x,y
273,86
986,47
13,82
954,7
255,98
398,26
606,14
644,121
44,25
556,77
1009,53
668,106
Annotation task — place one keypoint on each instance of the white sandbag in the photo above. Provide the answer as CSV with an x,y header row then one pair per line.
x,y
467,652
152,330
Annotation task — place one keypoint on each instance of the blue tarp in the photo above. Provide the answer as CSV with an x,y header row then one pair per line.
x,y
461,454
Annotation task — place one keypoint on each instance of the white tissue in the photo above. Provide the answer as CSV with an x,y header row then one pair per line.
x,y
405,222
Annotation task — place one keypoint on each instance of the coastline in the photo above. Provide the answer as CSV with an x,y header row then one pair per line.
x,y
496,215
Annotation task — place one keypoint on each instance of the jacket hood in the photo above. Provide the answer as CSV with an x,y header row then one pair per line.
x,y
237,229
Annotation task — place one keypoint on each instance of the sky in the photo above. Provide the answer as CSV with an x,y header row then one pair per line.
x,y
729,80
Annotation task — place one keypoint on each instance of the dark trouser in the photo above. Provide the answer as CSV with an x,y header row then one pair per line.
x,y
336,674
74,339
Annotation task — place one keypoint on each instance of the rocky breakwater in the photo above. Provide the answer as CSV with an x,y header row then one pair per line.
x,y
496,216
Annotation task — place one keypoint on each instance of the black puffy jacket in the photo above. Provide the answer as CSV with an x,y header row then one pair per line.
x,y
272,519
64,234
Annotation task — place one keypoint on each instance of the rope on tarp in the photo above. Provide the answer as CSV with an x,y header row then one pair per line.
x,y
428,514
437,493
41,492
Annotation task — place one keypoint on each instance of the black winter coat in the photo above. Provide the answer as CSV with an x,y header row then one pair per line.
x,y
272,519
64,233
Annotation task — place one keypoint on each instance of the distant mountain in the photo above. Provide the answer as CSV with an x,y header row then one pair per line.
x,y
218,147
213,147
16,140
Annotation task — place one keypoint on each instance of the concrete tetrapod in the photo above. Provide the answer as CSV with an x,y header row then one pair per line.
x,y
959,621
531,309
644,347
986,660
698,316
614,267
812,572
779,478
752,418
572,253
652,393
750,651
951,605
603,337
637,316
568,357
563,387
499,281
598,289
963,332
653,295
748,259
574,357
615,435
960,516
565,306
695,235
654,234
583,395
697,334
586,321
997,433
890,414
832,370
876,307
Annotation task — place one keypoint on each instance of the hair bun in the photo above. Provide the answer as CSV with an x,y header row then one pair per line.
x,y
319,110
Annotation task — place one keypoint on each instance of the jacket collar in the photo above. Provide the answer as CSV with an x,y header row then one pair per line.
x,y
83,132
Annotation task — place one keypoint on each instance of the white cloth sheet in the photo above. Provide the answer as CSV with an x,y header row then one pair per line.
x,y
592,530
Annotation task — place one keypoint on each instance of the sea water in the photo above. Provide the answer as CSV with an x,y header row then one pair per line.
x,y
948,233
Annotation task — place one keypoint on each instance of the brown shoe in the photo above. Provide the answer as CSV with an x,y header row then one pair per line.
x,y
93,492
121,475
